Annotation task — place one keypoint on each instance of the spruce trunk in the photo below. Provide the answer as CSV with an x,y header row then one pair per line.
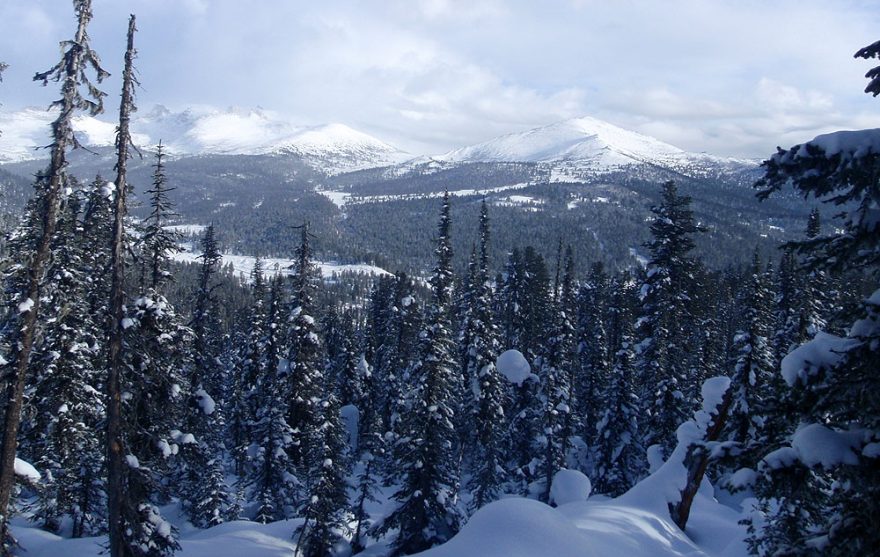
x,y
115,456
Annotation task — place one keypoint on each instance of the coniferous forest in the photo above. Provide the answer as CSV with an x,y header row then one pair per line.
x,y
149,401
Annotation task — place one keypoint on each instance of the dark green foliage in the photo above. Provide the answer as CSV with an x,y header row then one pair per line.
x,y
486,385
271,475
666,311
427,512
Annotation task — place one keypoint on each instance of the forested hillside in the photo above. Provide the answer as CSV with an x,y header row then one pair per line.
x,y
662,359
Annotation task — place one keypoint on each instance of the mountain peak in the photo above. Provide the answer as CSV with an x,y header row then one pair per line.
x,y
579,147
200,130
575,139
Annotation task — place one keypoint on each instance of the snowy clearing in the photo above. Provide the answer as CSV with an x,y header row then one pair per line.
x,y
244,265
186,229
343,198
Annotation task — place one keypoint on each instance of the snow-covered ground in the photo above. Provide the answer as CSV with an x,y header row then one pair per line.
x,y
186,229
635,524
343,198
244,264
629,526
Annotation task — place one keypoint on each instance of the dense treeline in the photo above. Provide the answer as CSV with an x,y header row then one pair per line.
x,y
132,382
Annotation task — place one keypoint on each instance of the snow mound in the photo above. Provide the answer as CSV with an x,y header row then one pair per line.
x,y
26,470
514,366
570,486
230,539
517,527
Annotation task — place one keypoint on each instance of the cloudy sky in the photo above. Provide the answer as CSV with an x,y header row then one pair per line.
x,y
733,77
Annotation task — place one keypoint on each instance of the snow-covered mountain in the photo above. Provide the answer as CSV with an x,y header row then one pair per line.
x,y
331,148
581,147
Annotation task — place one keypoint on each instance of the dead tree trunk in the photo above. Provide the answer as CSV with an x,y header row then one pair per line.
x,y
115,442
697,460
69,71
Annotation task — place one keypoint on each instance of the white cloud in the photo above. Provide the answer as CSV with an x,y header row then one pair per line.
x,y
724,76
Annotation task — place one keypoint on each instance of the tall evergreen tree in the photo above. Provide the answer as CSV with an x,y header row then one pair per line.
x,y
244,391
618,448
592,362
752,384
158,242
325,512
487,385
272,475
65,402
833,379
555,371
136,526
76,60
665,309
203,490
427,512
305,378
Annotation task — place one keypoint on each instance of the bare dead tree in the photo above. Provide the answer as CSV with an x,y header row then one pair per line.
x,y
698,458
115,441
71,72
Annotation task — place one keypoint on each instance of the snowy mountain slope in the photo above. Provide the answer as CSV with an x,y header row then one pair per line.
x,y
576,148
331,148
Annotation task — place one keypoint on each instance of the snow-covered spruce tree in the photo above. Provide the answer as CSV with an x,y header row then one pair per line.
x,y
203,491
833,378
243,392
665,308
617,447
511,302
753,390
592,361
554,366
344,372
325,525
67,408
788,299
371,448
488,388
146,348
397,325
427,511
71,71
466,397
158,242
157,347
306,378
271,476
871,51
381,349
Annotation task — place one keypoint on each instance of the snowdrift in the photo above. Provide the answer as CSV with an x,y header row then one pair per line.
x,y
518,527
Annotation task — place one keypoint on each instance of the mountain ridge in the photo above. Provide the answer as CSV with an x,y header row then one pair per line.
x,y
580,147
332,148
